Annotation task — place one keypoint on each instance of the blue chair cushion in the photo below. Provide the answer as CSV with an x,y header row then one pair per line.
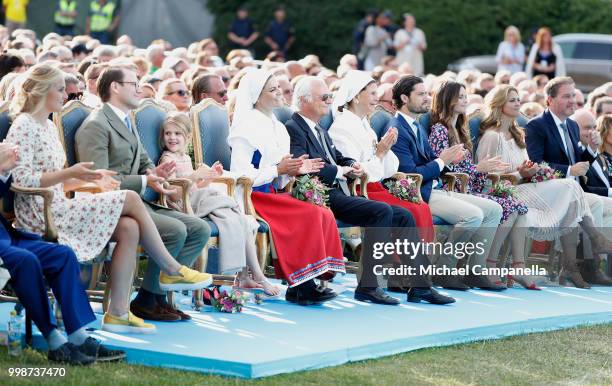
x,y
283,114
327,120
149,124
379,121
263,227
213,125
5,125
214,231
70,124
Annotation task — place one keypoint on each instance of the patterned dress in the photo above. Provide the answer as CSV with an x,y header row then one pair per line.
x,y
84,223
439,140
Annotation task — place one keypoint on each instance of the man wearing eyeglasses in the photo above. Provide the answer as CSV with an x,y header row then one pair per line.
x,y
109,139
209,86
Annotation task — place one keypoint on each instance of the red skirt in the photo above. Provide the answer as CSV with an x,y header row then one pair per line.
x,y
421,212
304,236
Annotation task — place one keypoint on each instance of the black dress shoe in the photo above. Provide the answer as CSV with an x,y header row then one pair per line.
x,y
450,282
482,282
430,295
156,313
375,295
93,348
309,297
70,354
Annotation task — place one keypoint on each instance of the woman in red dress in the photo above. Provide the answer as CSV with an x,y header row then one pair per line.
x,y
305,237
353,136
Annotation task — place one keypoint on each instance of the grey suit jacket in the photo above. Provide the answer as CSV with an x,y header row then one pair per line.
x,y
105,140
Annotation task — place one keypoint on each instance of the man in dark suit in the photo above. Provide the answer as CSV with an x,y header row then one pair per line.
x,y
30,261
312,98
554,138
598,182
474,219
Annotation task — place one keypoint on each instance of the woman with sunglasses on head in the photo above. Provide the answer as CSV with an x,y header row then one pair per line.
x,y
174,91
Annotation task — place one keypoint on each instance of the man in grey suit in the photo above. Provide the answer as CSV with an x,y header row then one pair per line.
x,y
108,139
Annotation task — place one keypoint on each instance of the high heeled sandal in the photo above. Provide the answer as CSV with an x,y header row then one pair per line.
x,y
493,264
522,279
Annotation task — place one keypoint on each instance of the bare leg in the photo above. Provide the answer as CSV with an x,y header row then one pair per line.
x,y
149,236
123,264
500,236
253,264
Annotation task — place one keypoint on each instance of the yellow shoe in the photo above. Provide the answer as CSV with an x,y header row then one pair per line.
x,y
187,279
132,325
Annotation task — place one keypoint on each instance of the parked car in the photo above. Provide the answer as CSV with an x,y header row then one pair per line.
x,y
588,59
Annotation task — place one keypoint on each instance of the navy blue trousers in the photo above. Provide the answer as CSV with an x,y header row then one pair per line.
x,y
30,262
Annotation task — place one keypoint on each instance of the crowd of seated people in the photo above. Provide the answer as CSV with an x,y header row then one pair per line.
x,y
454,136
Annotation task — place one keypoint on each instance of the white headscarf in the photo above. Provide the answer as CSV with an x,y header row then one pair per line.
x,y
249,90
353,82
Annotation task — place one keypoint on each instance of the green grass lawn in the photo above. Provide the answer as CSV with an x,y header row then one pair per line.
x,y
579,356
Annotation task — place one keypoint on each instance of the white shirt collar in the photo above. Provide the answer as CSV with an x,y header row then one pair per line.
x,y
557,120
309,122
407,117
118,112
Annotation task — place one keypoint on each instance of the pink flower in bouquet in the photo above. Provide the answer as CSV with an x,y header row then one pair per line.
x,y
404,182
308,194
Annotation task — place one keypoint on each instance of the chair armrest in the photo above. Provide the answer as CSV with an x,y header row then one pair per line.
x,y
514,180
229,183
494,177
185,185
247,189
361,181
88,188
461,177
47,195
289,187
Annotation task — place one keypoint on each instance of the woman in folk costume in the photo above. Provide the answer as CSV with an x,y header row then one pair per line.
x,y
353,136
304,236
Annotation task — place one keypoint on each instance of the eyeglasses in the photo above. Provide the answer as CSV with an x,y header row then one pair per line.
x,y
181,93
135,84
222,93
326,97
385,100
75,96
225,79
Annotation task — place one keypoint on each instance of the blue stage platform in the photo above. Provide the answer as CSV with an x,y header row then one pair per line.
x,y
278,337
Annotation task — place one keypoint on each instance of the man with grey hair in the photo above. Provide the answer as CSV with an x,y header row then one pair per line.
x,y
209,86
312,98
72,88
597,182
603,106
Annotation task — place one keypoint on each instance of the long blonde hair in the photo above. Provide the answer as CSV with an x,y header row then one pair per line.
x,y
180,120
495,101
604,125
31,93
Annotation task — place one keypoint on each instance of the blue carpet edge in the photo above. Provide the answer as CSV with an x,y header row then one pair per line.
x,y
339,357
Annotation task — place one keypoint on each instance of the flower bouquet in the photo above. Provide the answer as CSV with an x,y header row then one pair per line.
x,y
229,302
310,189
404,189
545,173
503,189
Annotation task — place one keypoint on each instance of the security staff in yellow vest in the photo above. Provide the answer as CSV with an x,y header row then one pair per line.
x,y
102,20
65,17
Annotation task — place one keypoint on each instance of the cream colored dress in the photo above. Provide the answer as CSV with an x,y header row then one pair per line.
x,y
555,206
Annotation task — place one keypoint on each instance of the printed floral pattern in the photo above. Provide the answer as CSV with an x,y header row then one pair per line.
x,y
439,140
84,223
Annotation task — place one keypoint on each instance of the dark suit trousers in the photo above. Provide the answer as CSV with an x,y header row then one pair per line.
x,y
382,223
31,261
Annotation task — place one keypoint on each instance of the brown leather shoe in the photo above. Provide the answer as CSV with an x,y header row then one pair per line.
x,y
156,313
169,309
